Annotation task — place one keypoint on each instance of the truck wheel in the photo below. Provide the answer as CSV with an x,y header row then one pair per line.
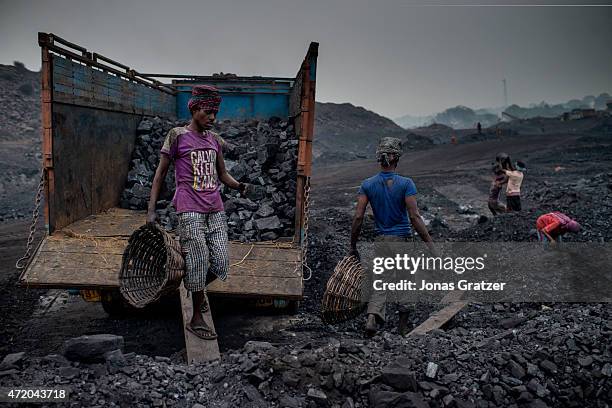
x,y
114,304
293,307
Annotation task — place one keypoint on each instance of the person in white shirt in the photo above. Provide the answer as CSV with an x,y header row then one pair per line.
x,y
515,180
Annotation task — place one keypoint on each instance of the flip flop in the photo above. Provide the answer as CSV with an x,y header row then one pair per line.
x,y
203,332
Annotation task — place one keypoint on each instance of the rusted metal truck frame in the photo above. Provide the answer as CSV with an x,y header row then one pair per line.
x,y
91,107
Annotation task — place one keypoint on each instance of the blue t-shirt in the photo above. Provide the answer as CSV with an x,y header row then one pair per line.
x,y
388,203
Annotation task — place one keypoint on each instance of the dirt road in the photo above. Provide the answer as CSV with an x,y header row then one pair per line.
x,y
444,160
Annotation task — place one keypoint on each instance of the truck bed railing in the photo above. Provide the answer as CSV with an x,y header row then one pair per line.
x,y
220,77
51,41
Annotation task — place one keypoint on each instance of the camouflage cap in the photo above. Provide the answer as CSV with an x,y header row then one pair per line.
x,y
389,145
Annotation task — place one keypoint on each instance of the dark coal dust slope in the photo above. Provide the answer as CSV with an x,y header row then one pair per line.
x,y
490,355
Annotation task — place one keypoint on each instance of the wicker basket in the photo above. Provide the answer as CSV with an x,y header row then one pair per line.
x,y
342,299
152,266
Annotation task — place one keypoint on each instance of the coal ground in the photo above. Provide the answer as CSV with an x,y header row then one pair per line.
x,y
510,354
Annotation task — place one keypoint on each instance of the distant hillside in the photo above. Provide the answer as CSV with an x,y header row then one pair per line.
x,y
546,110
19,102
462,117
458,117
410,121
20,156
346,132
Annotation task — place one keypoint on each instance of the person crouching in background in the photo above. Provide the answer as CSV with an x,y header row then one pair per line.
x,y
552,226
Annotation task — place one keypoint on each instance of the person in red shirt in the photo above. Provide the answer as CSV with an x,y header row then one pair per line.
x,y
552,226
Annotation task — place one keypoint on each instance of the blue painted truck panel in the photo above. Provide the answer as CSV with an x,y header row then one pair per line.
x,y
242,99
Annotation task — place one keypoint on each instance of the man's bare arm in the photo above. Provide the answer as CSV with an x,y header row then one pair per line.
x,y
552,240
225,177
417,222
160,175
362,203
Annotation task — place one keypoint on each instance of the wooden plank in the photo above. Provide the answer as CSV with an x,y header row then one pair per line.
x,y
61,244
452,296
66,261
70,82
33,261
198,350
60,68
290,288
77,260
102,102
47,135
239,251
110,164
438,319
103,93
41,274
110,223
271,269
73,149
67,277
52,266
88,253
82,85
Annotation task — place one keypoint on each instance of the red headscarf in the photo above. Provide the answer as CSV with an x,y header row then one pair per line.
x,y
204,97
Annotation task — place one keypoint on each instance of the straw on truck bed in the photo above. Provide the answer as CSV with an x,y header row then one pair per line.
x,y
91,107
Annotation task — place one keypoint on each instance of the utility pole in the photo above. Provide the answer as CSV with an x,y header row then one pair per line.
x,y
505,93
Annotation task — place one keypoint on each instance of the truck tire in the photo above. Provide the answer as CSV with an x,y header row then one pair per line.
x,y
284,306
293,307
114,304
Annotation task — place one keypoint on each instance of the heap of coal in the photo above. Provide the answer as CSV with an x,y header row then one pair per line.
x,y
260,153
493,355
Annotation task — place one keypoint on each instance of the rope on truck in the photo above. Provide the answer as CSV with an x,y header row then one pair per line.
x,y
302,265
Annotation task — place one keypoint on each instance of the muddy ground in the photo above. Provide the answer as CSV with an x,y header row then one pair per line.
x,y
571,173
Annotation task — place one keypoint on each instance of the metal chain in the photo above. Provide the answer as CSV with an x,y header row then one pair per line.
x,y
305,242
22,262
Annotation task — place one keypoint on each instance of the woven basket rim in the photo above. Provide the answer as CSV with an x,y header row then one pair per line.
x,y
172,268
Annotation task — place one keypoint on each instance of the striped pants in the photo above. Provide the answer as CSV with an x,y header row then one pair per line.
x,y
204,244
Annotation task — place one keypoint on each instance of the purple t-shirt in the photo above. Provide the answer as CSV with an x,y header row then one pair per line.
x,y
195,161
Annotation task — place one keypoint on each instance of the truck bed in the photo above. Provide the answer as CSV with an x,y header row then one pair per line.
x,y
87,255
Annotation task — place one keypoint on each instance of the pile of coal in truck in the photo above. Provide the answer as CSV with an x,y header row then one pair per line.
x,y
260,153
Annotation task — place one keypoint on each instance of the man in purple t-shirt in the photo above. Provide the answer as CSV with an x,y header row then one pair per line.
x,y
199,168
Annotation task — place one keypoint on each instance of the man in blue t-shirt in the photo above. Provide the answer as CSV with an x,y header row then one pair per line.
x,y
393,201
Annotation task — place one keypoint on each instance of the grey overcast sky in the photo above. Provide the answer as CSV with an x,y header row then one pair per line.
x,y
393,57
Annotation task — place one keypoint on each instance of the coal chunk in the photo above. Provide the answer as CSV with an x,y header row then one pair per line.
x,y
261,153
268,223
400,375
91,348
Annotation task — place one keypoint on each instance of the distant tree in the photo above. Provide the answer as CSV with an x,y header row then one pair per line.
x,y
20,66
